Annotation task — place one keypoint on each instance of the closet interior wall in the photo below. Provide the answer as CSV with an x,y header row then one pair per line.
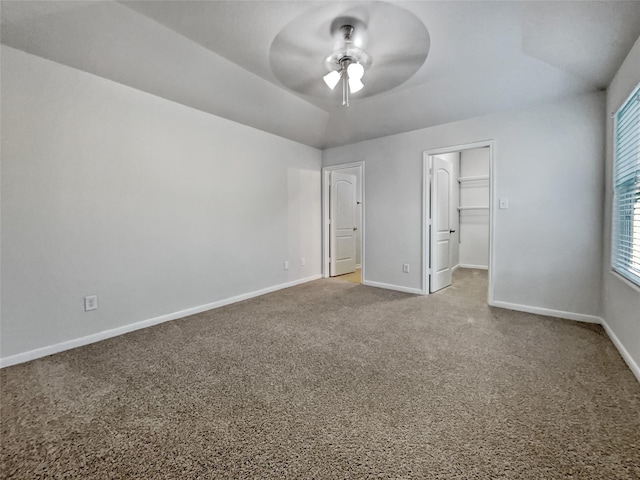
x,y
473,208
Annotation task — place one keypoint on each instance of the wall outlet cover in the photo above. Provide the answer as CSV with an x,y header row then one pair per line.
x,y
90,303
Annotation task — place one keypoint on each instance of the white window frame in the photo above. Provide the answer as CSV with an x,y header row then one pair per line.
x,y
625,270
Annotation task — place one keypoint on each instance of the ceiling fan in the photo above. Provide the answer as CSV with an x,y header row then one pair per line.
x,y
348,60
341,42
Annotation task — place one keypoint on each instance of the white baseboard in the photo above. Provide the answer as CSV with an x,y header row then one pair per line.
x,y
579,317
114,332
96,337
453,269
388,286
477,267
635,368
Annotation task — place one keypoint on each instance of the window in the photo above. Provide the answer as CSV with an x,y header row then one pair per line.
x,y
625,250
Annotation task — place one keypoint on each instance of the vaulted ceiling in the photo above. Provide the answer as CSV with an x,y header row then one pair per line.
x,y
484,57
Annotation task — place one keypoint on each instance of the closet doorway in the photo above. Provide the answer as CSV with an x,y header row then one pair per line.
x,y
458,211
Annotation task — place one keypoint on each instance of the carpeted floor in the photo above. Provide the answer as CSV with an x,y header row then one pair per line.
x,y
331,380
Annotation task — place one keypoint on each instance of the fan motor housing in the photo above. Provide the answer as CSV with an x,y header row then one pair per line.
x,y
350,35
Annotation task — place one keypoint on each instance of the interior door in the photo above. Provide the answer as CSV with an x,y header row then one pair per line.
x,y
342,199
441,223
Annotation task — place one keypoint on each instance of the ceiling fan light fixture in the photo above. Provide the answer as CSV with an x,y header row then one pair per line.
x,y
356,71
332,78
355,85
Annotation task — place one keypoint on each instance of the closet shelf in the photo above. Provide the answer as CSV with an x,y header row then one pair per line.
x,y
473,208
471,179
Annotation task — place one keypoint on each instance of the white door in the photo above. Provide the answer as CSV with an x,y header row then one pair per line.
x,y
342,199
441,223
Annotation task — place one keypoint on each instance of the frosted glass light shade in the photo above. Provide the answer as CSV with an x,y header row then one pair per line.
x,y
332,78
355,85
356,71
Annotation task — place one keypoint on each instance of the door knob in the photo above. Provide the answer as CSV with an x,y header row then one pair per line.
x,y
452,231
355,228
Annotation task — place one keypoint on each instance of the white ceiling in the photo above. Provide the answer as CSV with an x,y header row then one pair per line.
x,y
484,57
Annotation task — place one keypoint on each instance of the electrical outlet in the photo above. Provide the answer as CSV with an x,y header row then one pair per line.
x,y
303,261
90,303
286,264
405,267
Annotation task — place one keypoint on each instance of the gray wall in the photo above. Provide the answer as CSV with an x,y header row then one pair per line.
x,y
621,300
548,161
154,206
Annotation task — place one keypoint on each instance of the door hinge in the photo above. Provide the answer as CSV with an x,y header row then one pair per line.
x,y
329,221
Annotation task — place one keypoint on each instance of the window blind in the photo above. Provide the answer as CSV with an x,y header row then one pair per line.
x,y
625,254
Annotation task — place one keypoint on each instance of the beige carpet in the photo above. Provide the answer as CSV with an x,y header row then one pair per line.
x,y
331,380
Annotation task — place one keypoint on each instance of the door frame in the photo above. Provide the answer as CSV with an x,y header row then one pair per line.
x,y
426,209
326,177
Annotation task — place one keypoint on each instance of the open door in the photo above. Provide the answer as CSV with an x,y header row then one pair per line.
x,y
441,223
342,227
